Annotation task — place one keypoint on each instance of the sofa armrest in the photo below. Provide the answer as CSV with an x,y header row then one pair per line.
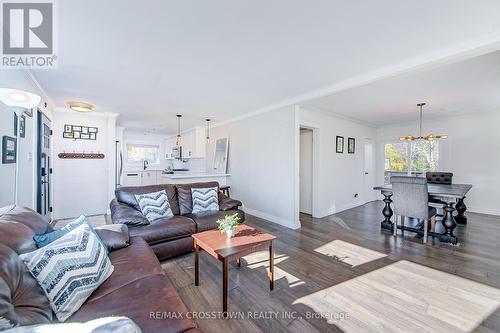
x,y
226,203
114,236
124,214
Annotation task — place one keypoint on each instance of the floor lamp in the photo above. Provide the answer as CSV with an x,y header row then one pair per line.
x,y
18,101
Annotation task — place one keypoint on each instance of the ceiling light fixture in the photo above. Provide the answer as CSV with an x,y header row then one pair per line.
x,y
207,133
178,139
81,107
19,98
430,137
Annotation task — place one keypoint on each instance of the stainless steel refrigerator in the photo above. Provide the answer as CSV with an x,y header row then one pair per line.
x,y
118,164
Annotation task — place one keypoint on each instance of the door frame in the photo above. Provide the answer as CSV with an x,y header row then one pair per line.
x,y
366,196
39,144
315,165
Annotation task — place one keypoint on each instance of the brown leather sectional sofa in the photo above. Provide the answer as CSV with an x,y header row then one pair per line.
x,y
170,236
138,287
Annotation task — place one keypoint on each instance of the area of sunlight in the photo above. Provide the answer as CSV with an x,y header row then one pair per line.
x,y
348,253
261,259
405,297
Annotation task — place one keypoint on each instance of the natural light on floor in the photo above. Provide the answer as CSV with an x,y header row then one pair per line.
x,y
406,297
261,259
348,253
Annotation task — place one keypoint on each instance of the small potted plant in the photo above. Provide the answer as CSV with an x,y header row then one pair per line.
x,y
228,224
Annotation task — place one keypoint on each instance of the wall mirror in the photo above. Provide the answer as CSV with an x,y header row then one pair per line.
x,y
220,156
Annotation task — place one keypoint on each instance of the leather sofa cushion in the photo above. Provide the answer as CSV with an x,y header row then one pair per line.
x,y
18,226
207,221
127,195
184,195
122,213
22,301
127,269
139,301
114,236
165,229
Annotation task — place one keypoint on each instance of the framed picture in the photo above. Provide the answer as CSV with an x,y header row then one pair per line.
x,y
76,134
85,130
22,126
339,146
68,128
68,135
351,145
85,136
8,150
92,129
92,136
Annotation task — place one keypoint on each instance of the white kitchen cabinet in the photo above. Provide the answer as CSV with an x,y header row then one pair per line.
x,y
141,178
149,177
132,179
169,144
193,144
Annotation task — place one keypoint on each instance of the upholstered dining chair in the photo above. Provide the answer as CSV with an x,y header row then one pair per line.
x,y
411,199
445,178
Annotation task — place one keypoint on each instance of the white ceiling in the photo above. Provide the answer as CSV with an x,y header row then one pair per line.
x,y
469,86
149,60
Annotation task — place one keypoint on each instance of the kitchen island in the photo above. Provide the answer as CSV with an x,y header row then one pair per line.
x,y
155,177
187,177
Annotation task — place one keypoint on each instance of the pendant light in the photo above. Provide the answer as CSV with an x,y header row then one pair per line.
x,y
207,132
429,137
178,139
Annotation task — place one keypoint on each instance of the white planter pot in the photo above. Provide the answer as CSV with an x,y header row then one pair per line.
x,y
229,233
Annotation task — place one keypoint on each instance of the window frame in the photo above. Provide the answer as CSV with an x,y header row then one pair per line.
x,y
409,152
143,145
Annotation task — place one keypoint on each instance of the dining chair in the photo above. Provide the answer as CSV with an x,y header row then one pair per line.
x,y
410,198
433,177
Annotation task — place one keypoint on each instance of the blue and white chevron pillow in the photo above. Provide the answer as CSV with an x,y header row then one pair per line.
x,y
70,269
154,205
205,199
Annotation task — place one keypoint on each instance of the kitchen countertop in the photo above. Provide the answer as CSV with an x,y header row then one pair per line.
x,y
194,175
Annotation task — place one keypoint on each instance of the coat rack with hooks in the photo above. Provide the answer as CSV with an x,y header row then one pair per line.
x,y
83,155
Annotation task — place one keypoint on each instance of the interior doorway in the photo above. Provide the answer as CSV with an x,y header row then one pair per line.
x,y
306,171
369,170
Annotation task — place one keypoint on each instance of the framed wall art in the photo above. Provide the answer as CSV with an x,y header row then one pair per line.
x,y
80,132
351,145
339,145
8,149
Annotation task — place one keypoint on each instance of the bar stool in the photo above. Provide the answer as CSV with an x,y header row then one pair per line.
x,y
225,190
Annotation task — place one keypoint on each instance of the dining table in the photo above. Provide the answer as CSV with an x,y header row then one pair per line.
x,y
451,196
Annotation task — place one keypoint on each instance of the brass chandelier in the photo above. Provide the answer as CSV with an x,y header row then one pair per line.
x,y
429,137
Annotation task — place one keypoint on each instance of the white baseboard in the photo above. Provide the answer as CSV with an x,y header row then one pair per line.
x,y
482,210
339,209
275,219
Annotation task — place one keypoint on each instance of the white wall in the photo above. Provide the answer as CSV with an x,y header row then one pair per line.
x,y
336,177
21,79
471,153
262,163
7,171
83,186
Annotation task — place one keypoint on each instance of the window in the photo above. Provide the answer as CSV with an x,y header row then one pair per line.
x,y
412,158
138,153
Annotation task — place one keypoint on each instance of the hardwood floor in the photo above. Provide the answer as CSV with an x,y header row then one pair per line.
x,y
342,273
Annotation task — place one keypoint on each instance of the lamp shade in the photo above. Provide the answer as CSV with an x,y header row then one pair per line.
x,y
19,98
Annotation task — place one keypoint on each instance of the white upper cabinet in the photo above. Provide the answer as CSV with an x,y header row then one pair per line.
x,y
193,144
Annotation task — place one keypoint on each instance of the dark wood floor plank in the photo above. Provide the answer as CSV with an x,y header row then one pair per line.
x,y
306,272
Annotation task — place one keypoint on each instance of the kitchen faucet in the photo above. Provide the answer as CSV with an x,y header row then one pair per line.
x,y
145,164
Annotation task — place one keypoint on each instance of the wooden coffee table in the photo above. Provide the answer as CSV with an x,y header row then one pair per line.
x,y
245,240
